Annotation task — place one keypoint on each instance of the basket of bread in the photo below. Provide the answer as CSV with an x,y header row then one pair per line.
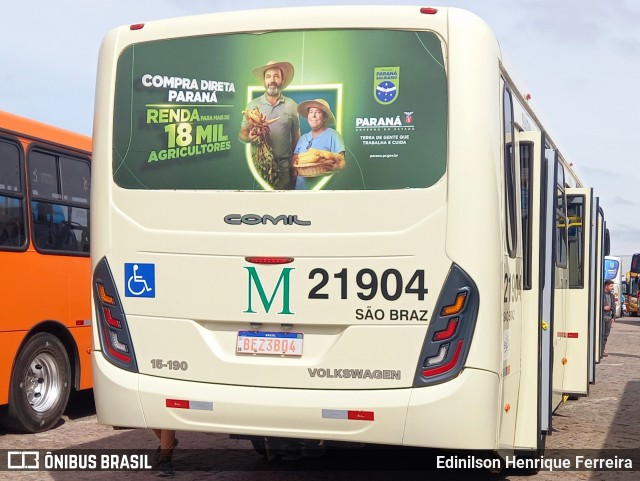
x,y
315,163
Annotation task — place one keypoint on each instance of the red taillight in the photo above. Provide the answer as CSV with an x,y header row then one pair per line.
x,y
429,10
136,26
113,322
269,260
448,332
448,339
115,340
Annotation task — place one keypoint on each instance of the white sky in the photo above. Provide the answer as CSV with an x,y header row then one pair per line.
x,y
579,59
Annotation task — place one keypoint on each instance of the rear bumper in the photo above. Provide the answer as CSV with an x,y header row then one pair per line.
x,y
458,414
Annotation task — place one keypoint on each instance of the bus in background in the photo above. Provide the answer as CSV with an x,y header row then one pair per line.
x,y
45,320
631,292
613,271
441,290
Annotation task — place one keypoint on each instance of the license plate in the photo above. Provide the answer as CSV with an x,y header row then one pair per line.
x,y
270,343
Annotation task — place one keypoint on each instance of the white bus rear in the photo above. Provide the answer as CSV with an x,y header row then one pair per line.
x,y
402,300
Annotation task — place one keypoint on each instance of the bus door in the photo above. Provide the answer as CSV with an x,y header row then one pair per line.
x,y
604,250
579,294
596,286
560,281
538,226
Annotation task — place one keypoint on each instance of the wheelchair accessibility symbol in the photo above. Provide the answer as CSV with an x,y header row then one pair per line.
x,y
140,280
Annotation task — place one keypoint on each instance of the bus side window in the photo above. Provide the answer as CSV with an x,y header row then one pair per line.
x,y
511,221
561,220
61,214
12,225
12,231
575,212
43,234
526,155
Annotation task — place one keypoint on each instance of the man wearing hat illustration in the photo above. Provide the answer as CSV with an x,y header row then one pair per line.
x,y
283,132
321,138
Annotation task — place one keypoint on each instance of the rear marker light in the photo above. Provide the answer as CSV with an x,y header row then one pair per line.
x,y
456,307
136,26
269,260
429,10
348,415
185,404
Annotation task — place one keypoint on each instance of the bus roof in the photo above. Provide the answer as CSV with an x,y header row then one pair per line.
x,y
34,130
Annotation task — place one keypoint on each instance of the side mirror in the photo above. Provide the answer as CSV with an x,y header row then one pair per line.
x,y
607,242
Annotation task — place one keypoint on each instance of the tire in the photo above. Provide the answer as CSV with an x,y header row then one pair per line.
x,y
40,385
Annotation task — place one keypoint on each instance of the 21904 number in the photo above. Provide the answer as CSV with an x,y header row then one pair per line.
x,y
389,284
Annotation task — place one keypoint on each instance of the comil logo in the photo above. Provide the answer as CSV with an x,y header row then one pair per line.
x,y
23,460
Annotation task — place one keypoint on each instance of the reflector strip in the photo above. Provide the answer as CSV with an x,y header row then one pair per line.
x,y
347,414
334,414
184,404
570,335
360,415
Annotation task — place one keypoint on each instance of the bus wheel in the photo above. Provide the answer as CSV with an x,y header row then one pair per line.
x,y
40,385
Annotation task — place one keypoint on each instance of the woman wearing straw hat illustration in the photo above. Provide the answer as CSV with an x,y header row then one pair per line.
x,y
321,150
270,123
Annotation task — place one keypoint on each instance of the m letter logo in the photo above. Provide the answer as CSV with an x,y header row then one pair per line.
x,y
255,285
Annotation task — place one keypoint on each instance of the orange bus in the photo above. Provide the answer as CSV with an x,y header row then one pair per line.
x,y
45,333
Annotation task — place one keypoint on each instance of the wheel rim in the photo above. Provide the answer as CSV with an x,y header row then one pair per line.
x,y
42,383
